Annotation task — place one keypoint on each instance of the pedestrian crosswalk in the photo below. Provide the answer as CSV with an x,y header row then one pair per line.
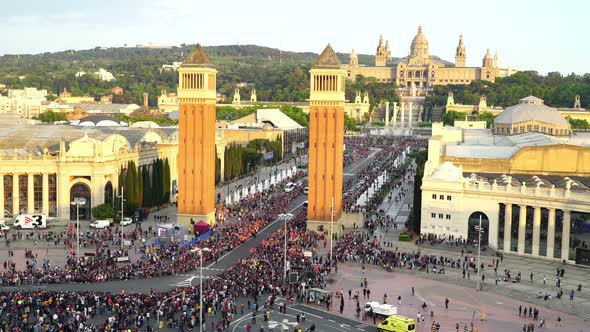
x,y
285,216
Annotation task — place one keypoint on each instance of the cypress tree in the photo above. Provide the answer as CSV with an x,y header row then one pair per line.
x,y
140,186
166,181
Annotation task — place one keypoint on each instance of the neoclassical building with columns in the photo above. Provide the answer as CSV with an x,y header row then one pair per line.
x,y
44,167
423,70
531,189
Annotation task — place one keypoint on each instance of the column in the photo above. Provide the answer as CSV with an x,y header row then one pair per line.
x,y
565,235
507,226
521,229
551,233
387,114
30,193
2,195
394,114
45,199
63,196
403,120
536,230
410,117
15,191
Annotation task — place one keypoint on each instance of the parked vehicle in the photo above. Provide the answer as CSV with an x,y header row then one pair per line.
x,y
305,190
99,224
3,227
30,221
380,310
305,204
126,221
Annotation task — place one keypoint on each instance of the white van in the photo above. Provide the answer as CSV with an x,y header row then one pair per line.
x,y
30,221
289,187
100,224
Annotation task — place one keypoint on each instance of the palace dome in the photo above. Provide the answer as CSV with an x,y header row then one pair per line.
x,y
419,47
531,109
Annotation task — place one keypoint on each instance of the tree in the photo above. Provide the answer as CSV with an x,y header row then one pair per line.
x,y
349,123
51,116
415,221
103,211
450,117
578,123
296,114
488,117
167,182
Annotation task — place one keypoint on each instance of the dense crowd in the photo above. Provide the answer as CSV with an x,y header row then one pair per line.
x,y
359,184
363,248
259,278
253,213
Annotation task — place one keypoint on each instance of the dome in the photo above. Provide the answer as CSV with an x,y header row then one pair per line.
x,y
99,121
419,46
531,109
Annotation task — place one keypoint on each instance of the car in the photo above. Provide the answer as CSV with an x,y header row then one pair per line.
x,y
305,204
289,187
305,190
126,221
3,227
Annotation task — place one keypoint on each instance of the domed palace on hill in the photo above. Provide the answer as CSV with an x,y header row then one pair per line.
x,y
424,70
527,178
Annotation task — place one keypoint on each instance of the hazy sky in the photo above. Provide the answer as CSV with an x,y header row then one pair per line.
x,y
538,34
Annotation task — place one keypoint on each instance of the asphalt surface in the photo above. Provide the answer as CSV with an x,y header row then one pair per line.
x,y
324,321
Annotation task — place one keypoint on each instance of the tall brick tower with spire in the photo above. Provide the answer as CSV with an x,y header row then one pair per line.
x,y
196,138
326,141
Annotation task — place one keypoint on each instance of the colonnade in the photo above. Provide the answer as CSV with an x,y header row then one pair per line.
x,y
30,201
522,218
401,109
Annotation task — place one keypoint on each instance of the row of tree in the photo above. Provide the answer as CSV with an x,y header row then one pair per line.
x,y
555,89
146,186
240,159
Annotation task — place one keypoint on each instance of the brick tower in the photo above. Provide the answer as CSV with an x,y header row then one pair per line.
x,y
326,141
196,138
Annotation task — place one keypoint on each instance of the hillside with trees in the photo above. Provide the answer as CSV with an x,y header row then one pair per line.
x,y
276,75
557,90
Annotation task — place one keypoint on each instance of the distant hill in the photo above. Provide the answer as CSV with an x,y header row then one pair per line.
x,y
276,75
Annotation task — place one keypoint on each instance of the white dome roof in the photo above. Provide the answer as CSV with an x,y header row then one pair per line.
x,y
531,109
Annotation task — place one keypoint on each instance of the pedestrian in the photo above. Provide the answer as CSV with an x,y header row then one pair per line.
x,y
520,310
544,279
572,295
413,288
446,303
531,276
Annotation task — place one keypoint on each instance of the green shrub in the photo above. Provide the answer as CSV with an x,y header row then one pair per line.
x,y
405,237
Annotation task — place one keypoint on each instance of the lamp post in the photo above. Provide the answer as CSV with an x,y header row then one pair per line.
x,y
200,250
331,232
478,253
285,258
77,202
122,216
160,308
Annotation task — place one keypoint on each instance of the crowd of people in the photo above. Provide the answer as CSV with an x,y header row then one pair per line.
x,y
390,149
252,214
258,277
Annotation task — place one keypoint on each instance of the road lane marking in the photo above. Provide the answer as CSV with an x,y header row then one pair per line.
x,y
261,231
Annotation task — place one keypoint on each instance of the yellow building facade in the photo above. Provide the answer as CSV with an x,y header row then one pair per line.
x,y
531,190
196,139
326,141
422,70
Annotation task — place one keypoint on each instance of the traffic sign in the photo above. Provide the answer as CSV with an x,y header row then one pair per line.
x,y
268,155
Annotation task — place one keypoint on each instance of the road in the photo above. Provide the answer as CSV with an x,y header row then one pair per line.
x,y
324,321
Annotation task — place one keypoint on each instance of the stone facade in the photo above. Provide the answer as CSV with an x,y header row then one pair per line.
x,y
531,190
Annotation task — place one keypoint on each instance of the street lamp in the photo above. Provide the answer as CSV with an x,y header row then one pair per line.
x,y
77,202
478,254
122,216
200,251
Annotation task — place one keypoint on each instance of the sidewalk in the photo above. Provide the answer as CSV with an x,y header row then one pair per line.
x,y
524,291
